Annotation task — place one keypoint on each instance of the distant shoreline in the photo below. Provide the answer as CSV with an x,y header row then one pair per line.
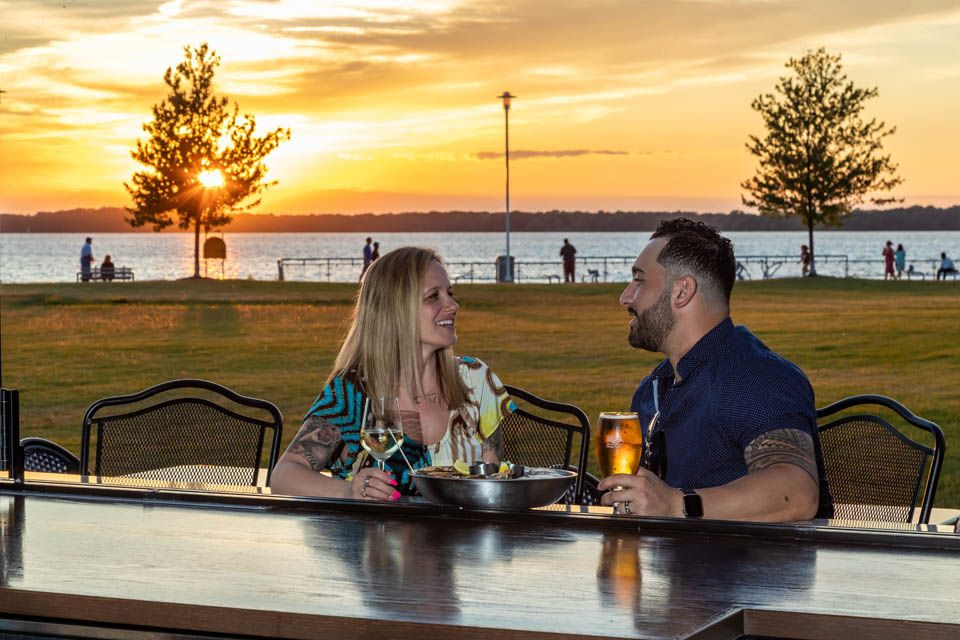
x,y
111,220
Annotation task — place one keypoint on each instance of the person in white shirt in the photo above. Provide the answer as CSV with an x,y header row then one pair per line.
x,y
946,266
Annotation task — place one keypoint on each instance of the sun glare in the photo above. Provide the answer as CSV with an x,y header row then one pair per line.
x,y
211,178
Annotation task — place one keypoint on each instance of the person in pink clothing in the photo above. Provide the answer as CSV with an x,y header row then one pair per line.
x,y
888,261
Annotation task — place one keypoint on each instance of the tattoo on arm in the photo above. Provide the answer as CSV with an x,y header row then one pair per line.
x,y
494,443
782,446
316,442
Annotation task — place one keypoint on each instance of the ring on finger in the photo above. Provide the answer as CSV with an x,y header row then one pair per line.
x,y
363,491
626,507
366,482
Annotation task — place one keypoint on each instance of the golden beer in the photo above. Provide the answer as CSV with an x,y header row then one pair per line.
x,y
619,442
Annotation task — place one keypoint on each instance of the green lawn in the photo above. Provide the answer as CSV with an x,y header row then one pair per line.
x,y
66,345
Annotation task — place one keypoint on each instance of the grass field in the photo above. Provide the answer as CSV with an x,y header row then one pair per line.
x,y
66,345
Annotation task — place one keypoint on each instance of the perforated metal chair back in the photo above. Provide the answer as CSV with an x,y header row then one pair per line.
x,y
874,471
542,439
40,454
184,439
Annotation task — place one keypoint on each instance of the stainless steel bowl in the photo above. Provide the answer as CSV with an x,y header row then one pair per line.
x,y
537,488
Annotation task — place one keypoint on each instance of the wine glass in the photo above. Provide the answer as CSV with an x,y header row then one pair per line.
x,y
381,432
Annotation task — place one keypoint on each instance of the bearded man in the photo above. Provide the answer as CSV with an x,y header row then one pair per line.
x,y
732,429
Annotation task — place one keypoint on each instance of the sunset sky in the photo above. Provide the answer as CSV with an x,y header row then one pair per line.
x,y
392,105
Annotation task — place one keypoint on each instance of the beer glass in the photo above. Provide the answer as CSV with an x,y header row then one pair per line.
x,y
619,442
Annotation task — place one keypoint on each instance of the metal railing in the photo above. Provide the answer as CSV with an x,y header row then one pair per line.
x,y
769,265
326,265
611,268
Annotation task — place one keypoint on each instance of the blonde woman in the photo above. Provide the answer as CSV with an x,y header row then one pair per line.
x,y
400,343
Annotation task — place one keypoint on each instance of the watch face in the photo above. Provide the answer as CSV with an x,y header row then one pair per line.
x,y
692,505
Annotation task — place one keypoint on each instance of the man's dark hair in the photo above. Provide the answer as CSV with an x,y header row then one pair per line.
x,y
89,239
699,250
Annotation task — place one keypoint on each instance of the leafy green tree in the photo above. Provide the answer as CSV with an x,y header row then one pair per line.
x,y
203,161
820,157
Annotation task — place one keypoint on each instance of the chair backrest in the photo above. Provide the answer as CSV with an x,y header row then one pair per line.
x,y
875,472
40,454
11,458
183,439
538,440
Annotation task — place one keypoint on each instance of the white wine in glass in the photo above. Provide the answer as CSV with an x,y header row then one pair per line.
x,y
382,431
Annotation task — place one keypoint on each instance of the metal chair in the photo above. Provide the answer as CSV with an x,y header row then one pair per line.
x,y
183,439
875,472
40,454
542,441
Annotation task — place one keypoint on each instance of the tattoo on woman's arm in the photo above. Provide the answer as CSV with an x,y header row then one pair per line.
x,y
316,442
494,443
782,446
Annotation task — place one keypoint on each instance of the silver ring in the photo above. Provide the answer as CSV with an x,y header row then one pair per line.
x,y
626,507
363,492
366,482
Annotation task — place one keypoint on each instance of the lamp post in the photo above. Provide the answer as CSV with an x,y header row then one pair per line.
x,y
506,97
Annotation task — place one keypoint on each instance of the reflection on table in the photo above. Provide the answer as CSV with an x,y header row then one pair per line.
x,y
278,567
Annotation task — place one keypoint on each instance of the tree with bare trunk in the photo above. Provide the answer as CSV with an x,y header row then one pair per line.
x,y
819,158
202,159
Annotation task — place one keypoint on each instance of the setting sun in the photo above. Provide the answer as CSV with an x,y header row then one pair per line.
x,y
211,178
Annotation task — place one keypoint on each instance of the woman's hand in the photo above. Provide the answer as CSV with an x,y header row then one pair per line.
x,y
373,484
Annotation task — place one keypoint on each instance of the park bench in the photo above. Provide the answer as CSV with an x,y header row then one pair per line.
x,y
119,273
912,273
593,274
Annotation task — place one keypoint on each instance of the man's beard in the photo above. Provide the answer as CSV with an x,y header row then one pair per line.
x,y
654,323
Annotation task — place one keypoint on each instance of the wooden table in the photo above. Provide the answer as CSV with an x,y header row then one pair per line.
x,y
151,562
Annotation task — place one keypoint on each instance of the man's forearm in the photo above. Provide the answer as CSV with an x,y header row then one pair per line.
x,y
779,493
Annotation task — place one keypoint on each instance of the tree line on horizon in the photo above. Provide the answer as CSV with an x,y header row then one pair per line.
x,y
111,220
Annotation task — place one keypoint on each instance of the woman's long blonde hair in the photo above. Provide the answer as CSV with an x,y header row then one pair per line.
x,y
382,346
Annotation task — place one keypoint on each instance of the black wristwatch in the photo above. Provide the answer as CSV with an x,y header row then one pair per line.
x,y
692,504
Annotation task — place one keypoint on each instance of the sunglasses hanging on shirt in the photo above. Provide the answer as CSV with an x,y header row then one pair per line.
x,y
655,447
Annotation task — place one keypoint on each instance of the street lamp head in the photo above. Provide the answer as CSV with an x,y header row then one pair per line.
x,y
506,97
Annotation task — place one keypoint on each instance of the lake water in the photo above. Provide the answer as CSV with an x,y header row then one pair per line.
x,y
54,257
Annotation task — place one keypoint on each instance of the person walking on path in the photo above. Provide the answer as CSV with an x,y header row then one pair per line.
x,y
900,258
946,266
367,256
86,259
887,254
568,252
805,260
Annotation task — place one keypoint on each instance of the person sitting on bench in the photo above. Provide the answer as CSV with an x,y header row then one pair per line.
x,y
946,266
107,270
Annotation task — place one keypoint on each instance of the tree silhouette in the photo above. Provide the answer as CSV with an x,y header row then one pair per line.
x,y
819,157
194,135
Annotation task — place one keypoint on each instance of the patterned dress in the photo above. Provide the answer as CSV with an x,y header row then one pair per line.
x,y
341,403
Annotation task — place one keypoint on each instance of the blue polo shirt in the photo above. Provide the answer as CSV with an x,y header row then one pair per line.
x,y
732,389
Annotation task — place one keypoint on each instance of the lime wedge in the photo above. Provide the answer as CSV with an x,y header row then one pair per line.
x,y
504,467
461,467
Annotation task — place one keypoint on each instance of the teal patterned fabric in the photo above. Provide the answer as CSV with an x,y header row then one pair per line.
x,y
341,403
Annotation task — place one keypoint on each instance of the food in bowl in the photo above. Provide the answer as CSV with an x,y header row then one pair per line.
x,y
460,469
